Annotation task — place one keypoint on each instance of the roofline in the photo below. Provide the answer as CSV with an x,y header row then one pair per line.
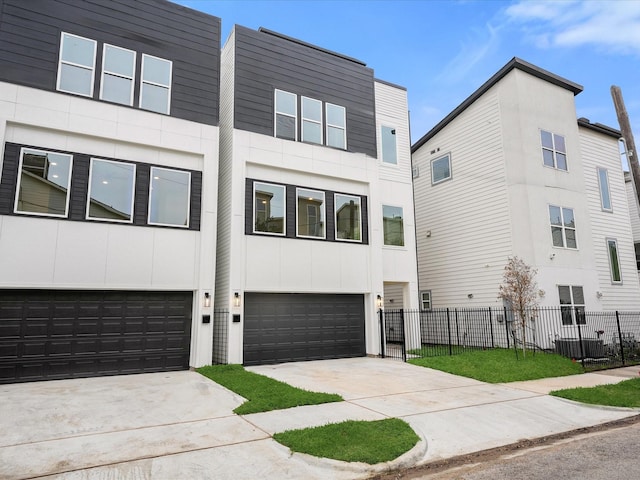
x,y
600,128
395,85
514,63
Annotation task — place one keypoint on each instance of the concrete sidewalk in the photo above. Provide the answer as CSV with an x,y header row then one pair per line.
x,y
180,425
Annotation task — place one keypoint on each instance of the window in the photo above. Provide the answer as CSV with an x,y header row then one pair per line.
x,y
388,139
605,196
441,169
169,197
336,126
554,152
571,305
614,260
269,211
392,226
563,227
311,120
637,249
43,184
76,65
111,187
286,115
155,88
348,219
311,211
425,300
118,70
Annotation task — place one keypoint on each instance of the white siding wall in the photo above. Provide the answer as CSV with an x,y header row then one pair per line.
x,y
463,229
599,150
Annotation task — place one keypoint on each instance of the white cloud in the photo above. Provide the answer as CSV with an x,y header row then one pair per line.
x,y
611,26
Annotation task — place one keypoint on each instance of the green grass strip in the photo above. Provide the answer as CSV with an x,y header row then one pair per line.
x,y
353,441
502,365
623,394
263,394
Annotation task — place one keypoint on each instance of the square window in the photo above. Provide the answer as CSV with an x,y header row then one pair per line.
x,y
336,126
118,70
43,183
389,149
76,65
392,226
441,169
169,197
155,88
554,152
286,112
269,208
111,187
310,213
348,217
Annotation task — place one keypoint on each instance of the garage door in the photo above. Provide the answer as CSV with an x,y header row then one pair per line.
x,y
46,335
294,327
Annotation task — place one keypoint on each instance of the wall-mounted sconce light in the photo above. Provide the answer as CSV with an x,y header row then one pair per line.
x,y
207,300
599,294
379,301
470,295
552,256
236,299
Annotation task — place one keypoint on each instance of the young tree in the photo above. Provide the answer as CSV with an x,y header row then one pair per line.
x,y
520,290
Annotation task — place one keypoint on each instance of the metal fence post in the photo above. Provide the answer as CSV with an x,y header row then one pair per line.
x,y
493,341
382,333
506,326
620,337
449,331
404,336
579,338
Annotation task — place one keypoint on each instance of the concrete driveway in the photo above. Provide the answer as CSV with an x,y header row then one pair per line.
x,y
180,424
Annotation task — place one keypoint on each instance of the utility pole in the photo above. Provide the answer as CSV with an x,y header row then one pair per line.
x,y
625,128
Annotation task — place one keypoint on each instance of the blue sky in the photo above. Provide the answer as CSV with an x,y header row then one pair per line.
x,y
442,51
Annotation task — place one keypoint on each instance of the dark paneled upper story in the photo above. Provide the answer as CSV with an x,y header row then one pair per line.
x,y
186,43
266,61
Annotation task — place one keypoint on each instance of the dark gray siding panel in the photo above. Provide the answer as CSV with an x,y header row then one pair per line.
x,y
30,38
265,62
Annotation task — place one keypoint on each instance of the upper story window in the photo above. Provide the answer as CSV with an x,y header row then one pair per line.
x,y
43,183
286,115
76,65
393,226
425,300
441,169
310,213
572,304
311,120
118,72
336,126
605,195
563,227
388,141
269,208
348,217
554,152
155,89
169,197
111,187
614,260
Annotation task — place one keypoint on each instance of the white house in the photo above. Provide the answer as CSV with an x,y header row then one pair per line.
x,y
634,212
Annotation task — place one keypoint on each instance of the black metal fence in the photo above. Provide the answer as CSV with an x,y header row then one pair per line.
x,y
596,339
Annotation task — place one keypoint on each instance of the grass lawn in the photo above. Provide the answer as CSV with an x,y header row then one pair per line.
x,y
501,365
262,393
623,394
353,441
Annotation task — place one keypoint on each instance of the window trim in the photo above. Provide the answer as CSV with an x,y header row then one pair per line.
x,y
422,301
149,222
147,82
303,119
335,217
119,75
133,191
19,184
446,155
393,131
276,113
611,268
341,127
61,62
563,227
386,245
599,171
284,210
323,211
554,151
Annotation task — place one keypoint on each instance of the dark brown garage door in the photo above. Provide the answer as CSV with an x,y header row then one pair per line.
x,y
282,327
47,335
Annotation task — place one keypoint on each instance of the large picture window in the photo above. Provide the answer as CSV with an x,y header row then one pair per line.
x,y
554,151
286,112
310,213
155,88
393,226
169,197
76,65
614,260
118,71
388,143
563,227
336,126
269,208
111,187
43,183
348,217
572,305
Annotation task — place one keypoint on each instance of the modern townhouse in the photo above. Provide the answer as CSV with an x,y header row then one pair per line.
x,y
634,212
108,188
